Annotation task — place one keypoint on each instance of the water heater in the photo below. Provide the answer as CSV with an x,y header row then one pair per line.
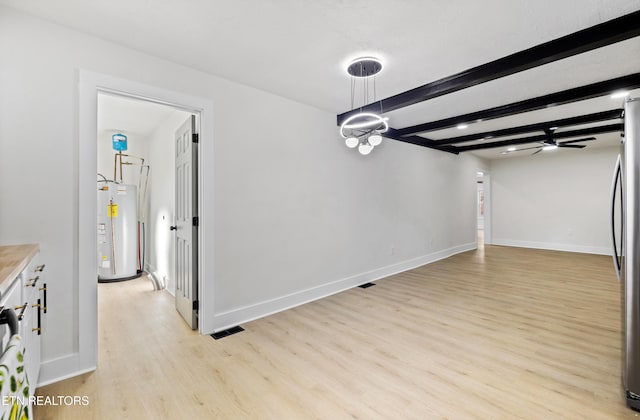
x,y
117,232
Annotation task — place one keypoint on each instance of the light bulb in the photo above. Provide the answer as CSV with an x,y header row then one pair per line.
x,y
365,148
375,139
618,95
351,142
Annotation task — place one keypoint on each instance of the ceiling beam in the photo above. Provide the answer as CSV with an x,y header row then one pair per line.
x,y
541,126
588,39
419,141
562,135
591,91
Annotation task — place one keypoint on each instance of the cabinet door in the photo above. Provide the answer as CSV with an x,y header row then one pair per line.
x,y
31,323
30,332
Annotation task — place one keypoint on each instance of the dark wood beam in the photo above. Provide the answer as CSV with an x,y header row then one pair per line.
x,y
557,136
541,126
419,141
588,39
581,93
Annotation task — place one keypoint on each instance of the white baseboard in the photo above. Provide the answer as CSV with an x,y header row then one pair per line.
x,y
553,246
69,366
225,320
62,368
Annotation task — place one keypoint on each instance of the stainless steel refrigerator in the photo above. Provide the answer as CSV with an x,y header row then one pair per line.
x,y
625,229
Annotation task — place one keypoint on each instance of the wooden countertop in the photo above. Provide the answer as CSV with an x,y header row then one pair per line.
x,y
14,259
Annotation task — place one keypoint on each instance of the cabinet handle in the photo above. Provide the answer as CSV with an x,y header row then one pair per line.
x,y
39,268
44,289
33,282
39,328
22,308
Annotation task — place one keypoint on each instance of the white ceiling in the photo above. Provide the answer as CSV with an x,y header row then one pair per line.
x,y
299,48
130,116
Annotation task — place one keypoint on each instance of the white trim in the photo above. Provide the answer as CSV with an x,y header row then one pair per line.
x,y
84,276
248,313
60,369
600,250
488,209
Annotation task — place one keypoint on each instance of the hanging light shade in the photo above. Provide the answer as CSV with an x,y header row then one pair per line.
x,y
366,122
351,142
365,148
363,130
375,139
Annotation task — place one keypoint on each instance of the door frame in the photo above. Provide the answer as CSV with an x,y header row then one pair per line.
x,y
85,236
486,190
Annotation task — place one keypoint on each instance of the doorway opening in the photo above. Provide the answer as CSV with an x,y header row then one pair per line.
x,y
483,208
480,209
139,199
90,84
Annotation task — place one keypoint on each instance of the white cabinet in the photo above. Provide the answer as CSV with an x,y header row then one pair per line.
x,y
23,288
33,298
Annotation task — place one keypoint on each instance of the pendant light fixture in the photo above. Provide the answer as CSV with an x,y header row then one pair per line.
x,y
363,130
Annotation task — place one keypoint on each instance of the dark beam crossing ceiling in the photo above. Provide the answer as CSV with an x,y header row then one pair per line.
x,y
606,33
582,119
581,93
611,128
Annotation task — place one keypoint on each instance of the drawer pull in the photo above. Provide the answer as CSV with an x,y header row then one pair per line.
x,y
22,308
33,282
39,328
39,268
44,289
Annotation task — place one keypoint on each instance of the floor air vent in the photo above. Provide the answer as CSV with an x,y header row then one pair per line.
x,y
227,333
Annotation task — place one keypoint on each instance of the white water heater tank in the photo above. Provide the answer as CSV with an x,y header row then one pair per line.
x,y
117,232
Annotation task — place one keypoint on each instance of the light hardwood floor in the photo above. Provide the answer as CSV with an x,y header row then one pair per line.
x,y
494,333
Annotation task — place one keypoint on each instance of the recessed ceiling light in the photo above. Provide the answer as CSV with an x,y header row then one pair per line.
x,y
511,149
618,95
553,128
462,126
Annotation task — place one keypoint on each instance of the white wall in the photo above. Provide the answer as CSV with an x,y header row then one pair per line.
x,y
297,215
554,200
161,241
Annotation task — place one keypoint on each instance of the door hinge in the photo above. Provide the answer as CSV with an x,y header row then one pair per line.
x,y
196,305
196,221
194,137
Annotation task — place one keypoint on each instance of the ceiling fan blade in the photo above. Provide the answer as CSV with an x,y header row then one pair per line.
x,y
520,150
578,140
573,146
537,151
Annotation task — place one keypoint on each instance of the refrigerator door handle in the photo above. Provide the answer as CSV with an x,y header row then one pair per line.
x,y
617,179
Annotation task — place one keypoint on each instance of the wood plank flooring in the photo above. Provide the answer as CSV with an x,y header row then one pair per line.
x,y
494,333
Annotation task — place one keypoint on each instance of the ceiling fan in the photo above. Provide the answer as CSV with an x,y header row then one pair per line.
x,y
550,143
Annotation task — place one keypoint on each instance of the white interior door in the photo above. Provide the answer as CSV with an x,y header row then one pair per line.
x,y
186,227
